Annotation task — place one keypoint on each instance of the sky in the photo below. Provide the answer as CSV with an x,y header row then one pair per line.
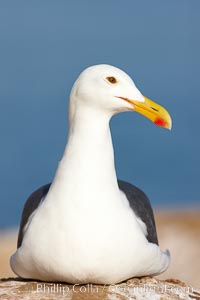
x,y
44,45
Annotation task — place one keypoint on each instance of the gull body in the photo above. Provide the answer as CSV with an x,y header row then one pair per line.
x,y
88,227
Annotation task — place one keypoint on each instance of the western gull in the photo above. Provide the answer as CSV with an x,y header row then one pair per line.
x,y
87,226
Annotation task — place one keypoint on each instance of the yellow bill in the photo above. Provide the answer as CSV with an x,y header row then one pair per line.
x,y
153,111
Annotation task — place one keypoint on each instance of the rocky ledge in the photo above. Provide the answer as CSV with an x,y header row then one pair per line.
x,y
136,288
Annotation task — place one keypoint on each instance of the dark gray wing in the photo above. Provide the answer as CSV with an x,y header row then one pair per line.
x,y
142,208
31,204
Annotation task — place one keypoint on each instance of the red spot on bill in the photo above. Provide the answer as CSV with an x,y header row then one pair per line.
x,y
160,122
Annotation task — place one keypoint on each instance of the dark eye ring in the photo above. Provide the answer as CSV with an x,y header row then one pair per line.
x,y
111,79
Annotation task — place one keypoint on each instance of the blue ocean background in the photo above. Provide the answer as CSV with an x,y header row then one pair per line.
x,y
44,45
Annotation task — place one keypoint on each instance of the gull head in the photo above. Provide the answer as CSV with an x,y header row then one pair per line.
x,y
110,90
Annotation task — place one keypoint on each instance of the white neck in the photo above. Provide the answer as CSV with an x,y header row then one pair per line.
x,y
87,167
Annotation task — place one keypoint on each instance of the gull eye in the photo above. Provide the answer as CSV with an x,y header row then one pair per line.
x,y
111,79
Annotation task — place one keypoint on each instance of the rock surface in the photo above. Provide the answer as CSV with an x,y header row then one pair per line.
x,y
145,288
